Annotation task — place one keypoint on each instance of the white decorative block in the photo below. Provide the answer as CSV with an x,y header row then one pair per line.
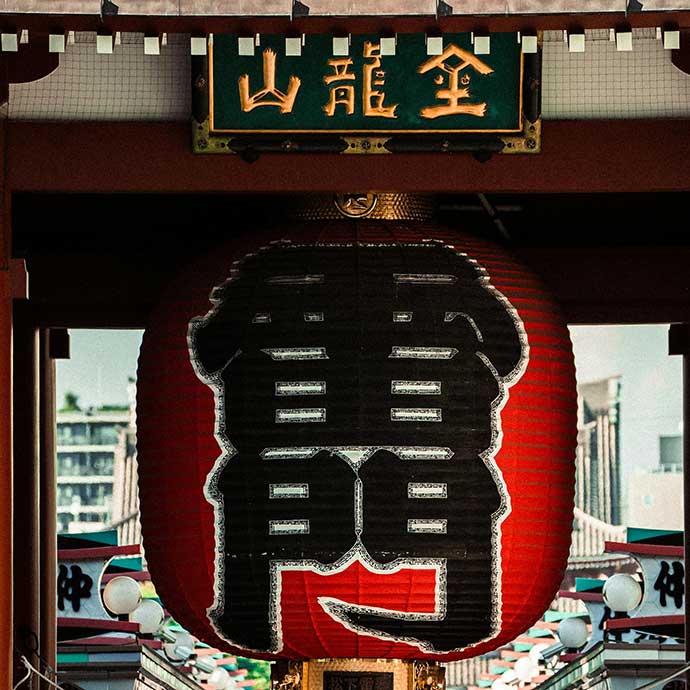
x,y
624,41
576,43
529,44
434,45
671,40
198,45
24,36
152,45
9,43
341,46
387,44
293,46
56,43
245,45
482,45
104,44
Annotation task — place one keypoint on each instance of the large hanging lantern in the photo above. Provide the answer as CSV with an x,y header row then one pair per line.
x,y
356,439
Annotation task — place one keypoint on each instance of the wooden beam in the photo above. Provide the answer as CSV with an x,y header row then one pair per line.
x,y
222,23
577,156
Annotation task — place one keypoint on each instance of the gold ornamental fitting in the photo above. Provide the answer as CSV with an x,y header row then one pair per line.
x,y
360,205
357,674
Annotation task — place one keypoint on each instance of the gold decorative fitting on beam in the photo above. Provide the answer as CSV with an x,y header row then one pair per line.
x,y
359,205
527,142
366,145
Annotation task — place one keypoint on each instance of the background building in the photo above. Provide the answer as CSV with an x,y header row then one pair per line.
x,y
598,484
655,499
125,513
86,444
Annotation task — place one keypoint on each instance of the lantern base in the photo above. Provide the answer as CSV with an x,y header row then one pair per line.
x,y
357,674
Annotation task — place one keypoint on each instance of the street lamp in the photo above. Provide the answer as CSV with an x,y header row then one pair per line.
x,y
149,614
622,592
122,595
572,632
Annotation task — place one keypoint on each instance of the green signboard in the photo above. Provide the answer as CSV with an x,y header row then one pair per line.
x,y
401,86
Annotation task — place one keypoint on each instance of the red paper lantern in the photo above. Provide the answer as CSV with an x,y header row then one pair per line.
x,y
361,447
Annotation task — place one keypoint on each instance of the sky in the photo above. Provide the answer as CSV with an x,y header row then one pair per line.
x,y
99,367
651,392
651,384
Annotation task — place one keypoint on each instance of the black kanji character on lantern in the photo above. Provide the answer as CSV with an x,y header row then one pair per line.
x,y
72,586
670,583
359,391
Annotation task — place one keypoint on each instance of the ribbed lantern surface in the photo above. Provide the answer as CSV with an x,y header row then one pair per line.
x,y
356,439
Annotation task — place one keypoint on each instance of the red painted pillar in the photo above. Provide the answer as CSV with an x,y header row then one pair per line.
x,y
6,625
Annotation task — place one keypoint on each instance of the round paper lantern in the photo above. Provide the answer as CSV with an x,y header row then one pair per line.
x,y
122,595
366,432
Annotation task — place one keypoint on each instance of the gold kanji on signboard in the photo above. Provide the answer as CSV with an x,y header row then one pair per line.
x,y
372,98
270,95
454,92
340,94
343,94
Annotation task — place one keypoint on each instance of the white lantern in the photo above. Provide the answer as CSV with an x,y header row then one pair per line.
x,y
509,676
206,664
182,648
535,653
220,678
149,614
525,669
505,680
573,633
122,595
622,592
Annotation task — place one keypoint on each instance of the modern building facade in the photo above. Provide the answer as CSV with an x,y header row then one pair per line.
x,y
655,497
125,514
86,444
598,484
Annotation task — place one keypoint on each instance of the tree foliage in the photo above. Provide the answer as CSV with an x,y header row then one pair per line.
x,y
259,670
71,403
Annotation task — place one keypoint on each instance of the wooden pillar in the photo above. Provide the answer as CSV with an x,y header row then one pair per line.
x,y
679,344
27,591
6,502
48,514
